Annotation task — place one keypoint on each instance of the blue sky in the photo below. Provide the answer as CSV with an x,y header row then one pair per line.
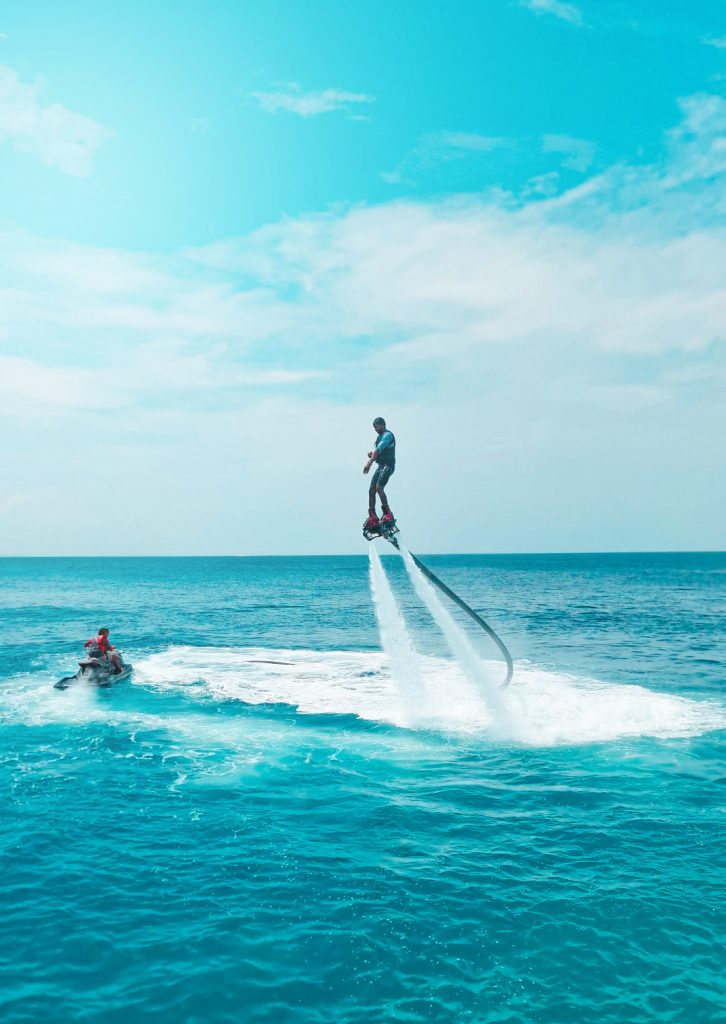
x,y
231,234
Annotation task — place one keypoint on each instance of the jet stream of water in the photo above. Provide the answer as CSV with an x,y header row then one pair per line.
x,y
469,661
405,663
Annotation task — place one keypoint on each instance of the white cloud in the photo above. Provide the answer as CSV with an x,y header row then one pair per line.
x,y
54,134
570,350
443,147
624,398
13,501
467,141
200,125
567,12
460,275
625,267
699,142
29,388
152,375
291,98
542,185
578,153
395,177
719,43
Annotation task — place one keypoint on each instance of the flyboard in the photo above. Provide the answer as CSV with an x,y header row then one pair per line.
x,y
388,532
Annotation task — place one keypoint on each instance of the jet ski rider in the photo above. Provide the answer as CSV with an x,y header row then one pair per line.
x,y
107,649
384,453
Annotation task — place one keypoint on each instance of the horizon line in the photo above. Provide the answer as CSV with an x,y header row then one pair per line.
x,y
435,554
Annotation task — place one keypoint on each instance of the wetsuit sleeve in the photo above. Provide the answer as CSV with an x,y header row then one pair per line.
x,y
384,441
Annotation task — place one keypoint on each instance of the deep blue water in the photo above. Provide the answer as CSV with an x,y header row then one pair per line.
x,y
227,838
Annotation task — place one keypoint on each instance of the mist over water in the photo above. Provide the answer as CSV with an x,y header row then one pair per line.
x,y
302,806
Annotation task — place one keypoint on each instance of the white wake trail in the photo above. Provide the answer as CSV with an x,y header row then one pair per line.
x,y
406,668
469,661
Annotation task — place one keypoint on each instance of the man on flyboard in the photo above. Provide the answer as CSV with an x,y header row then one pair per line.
x,y
384,455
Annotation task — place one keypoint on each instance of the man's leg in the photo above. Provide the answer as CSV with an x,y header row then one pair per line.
x,y
372,499
383,478
372,492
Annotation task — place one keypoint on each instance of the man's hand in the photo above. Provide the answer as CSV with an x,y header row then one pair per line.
x,y
367,466
372,455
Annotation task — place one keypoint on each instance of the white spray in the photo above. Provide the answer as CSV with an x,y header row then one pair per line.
x,y
405,663
469,661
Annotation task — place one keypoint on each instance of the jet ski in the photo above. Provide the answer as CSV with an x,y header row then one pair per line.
x,y
96,669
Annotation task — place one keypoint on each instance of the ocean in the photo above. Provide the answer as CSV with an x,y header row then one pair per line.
x,y
304,808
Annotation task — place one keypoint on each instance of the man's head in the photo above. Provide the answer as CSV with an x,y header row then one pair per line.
x,y
103,631
379,424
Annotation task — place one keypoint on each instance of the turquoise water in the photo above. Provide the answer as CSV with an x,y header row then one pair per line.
x,y
265,825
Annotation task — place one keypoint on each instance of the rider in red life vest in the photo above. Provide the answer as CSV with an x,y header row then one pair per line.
x,y
101,641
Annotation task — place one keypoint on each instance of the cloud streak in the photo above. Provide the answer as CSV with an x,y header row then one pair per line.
x,y
578,154
14,501
444,147
557,8
57,136
291,98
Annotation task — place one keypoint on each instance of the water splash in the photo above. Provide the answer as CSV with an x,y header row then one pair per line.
x,y
475,670
548,708
404,661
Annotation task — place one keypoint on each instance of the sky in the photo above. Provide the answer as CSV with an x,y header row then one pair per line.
x,y
233,233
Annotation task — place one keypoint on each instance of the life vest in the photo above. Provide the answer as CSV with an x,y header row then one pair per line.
x,y
387,457
101,642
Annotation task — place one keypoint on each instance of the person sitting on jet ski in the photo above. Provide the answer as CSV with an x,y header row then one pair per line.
x,y
384,453
101,642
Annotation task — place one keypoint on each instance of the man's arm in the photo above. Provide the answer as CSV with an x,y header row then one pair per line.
x,y
372,456
385,441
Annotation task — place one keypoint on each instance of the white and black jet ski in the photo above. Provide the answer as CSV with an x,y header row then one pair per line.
x,y
98,670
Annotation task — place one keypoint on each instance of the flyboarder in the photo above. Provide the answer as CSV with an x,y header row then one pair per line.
x,y
384,453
